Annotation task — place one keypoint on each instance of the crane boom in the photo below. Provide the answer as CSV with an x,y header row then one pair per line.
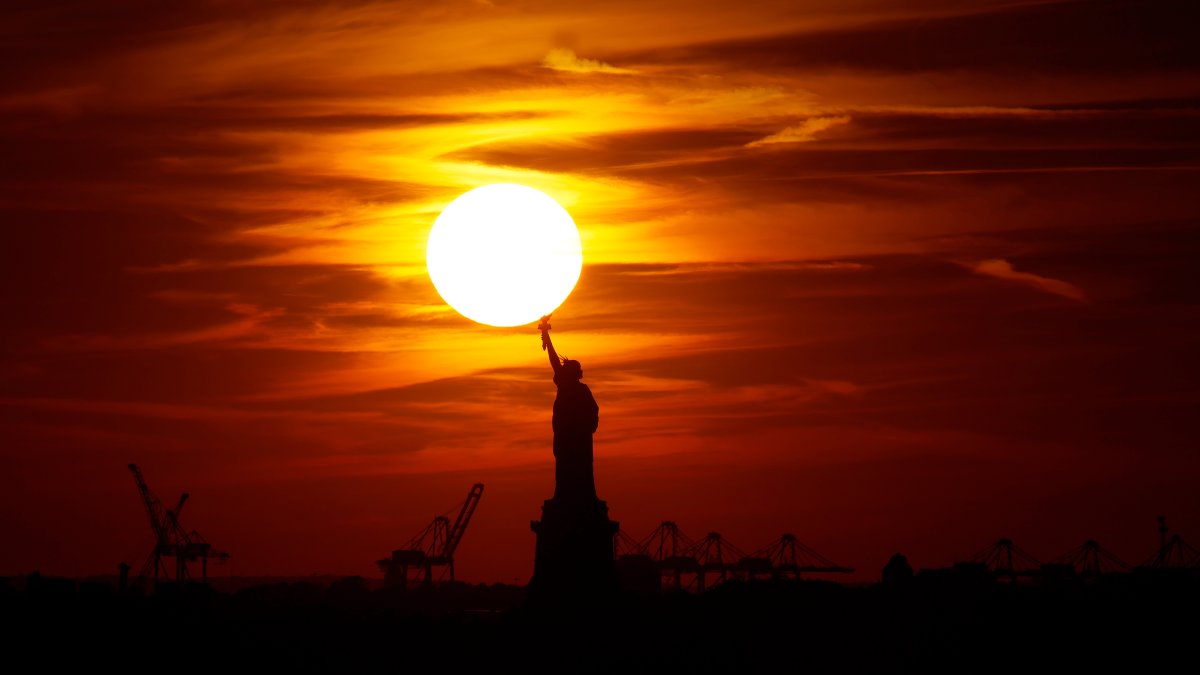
x,y
154,508
179,507
464,518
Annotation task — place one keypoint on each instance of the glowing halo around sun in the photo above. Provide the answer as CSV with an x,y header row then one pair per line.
x,y
504,255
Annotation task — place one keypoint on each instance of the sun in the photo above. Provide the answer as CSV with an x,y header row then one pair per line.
x,y
504,254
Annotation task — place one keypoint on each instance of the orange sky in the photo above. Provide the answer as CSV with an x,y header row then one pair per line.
x,y
889,278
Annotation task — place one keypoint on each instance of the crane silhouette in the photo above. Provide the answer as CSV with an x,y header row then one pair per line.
x,y
433,546
171,540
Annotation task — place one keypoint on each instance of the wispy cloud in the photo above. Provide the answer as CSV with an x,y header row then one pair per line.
x,y
567,60
247,327
803,132
1002,269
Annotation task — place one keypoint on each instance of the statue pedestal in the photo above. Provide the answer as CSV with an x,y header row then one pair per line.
x,y
574,556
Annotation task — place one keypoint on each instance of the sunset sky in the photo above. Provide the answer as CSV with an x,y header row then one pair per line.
x,y
890,276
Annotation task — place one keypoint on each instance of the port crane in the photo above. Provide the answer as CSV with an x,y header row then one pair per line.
x,y
687,564
171,540
432,547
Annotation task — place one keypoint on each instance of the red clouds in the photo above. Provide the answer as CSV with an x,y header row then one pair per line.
x,y
890,282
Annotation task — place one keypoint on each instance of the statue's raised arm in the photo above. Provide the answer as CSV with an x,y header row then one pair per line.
x,y
547,345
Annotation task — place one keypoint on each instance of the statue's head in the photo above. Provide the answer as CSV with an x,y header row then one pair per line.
x,y
572,370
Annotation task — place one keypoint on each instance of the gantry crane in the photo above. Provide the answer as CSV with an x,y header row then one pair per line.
x,y
787,558
684,563
171,540
1173,552
433,546
1089,560
715,555
1002,560
670,548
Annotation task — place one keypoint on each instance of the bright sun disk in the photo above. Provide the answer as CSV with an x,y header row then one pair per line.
x,y
504,255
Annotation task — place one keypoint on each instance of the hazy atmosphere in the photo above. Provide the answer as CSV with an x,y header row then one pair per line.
x,y
890,276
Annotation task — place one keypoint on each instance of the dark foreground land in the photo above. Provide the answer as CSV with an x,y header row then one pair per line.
x,y
1126,623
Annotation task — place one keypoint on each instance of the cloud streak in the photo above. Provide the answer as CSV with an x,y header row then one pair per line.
x,y
804,132
567,61
1002,269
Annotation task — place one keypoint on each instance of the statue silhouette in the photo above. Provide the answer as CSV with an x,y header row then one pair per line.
x,y
576,417
573,561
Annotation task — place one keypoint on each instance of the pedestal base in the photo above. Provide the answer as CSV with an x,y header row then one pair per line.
x,y
574,555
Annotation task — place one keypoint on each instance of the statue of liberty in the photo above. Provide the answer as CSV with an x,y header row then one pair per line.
x,y
573,562
575,419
